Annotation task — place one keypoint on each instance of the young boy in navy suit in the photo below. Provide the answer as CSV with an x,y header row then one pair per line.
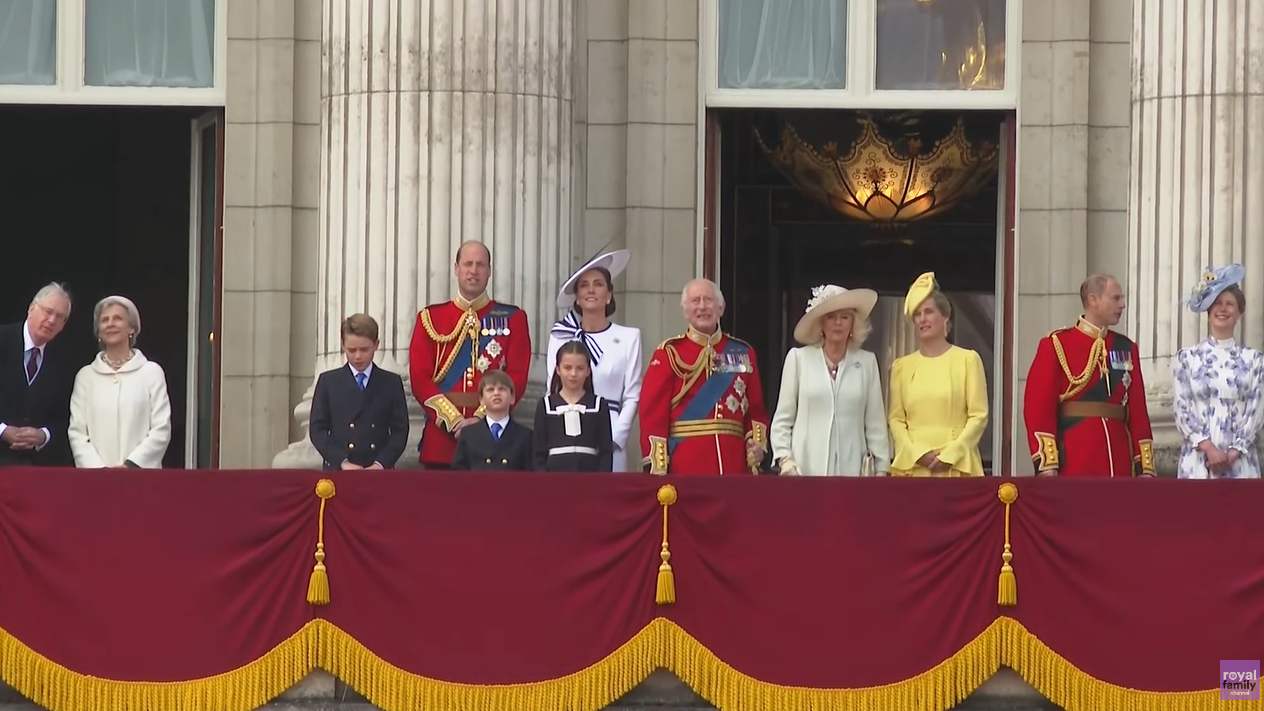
x,y
498,443
359,415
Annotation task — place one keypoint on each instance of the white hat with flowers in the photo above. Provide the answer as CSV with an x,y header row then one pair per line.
x,y
827,299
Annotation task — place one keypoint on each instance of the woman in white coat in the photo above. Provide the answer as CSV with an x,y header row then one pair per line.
x,y
120,415
830,419
615,350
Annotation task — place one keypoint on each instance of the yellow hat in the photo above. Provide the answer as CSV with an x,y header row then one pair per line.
x,y
919,292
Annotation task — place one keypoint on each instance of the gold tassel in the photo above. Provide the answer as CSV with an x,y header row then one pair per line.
x,y
666,589
1007,586
318,586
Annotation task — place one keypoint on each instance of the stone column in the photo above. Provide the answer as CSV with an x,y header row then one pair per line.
x,y
1197,178
442,121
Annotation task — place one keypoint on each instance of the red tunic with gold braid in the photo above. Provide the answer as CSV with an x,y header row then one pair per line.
x,y
1085,406
453,344
701,401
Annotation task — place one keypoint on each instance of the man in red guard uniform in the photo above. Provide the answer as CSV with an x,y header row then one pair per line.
x,y
1085,404
453,344
702,407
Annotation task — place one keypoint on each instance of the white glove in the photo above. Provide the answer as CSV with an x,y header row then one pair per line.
x,y
788,467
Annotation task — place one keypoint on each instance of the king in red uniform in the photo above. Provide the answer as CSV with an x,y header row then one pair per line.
x,y
1085,405
702,406
453,344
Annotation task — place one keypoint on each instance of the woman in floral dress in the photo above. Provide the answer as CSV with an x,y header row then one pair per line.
x,y
1218,387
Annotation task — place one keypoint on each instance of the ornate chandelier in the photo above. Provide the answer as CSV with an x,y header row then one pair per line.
x,y
882,180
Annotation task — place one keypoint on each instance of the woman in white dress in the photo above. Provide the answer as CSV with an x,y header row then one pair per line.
x,y
830,420
588,297
1218,387
120,415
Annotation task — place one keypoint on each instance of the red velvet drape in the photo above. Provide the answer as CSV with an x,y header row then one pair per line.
x,y
820,583
492,579
154,576
1144,583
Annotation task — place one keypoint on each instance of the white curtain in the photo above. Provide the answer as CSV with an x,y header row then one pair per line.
x,y
168,43
28,41
783,44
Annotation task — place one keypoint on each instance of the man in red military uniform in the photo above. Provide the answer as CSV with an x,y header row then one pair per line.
x,y
1085,404
702,406
453,344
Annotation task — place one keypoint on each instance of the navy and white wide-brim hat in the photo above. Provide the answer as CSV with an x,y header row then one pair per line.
x,y
1213,284
614,262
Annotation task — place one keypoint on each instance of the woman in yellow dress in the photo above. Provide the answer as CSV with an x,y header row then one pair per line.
x,y
939,405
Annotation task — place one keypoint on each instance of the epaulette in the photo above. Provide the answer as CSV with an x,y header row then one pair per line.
x,y
427,307
670,340
1059,330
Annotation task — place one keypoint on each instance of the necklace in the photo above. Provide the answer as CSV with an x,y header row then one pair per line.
x,y
116,364
833,367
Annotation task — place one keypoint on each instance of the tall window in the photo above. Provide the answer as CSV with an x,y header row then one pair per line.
x,y
166,43
783,44
860,53
941,44
28,42
112,51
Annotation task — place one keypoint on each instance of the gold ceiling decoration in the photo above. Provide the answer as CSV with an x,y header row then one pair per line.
x,y
882,180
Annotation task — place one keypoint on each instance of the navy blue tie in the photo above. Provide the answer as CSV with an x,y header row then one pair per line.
x,y
361,378
496,430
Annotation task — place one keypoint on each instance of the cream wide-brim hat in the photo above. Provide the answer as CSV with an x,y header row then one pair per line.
x,y
808,331
614,262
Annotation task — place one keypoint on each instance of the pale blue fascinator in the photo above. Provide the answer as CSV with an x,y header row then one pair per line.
x,y
1214,282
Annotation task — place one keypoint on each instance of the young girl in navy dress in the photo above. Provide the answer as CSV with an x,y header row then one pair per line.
x,y
572,425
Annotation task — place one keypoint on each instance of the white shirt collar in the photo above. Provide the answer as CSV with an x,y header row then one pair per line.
x,y
27,342
502,422
368,371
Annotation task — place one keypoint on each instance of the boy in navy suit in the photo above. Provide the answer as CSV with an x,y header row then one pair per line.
x,y
498,443
359,415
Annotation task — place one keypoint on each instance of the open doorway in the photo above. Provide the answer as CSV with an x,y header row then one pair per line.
x,y
105,199
775,240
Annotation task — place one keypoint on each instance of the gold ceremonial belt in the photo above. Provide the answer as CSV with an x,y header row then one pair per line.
x,y
463,400
706,428
1092,409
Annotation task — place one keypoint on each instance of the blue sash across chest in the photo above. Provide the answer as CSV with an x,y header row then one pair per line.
x,y
731,361
494,325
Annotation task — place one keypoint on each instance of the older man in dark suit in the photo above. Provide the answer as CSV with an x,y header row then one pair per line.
x,y
359,415
35,385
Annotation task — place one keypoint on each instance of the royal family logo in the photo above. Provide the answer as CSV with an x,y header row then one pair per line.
x,y
1239,680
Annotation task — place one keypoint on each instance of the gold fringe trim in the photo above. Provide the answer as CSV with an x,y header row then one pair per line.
x,y
57,688
392,689
1071,689
661,644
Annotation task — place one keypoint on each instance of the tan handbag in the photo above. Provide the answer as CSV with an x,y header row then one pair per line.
x,y
866,467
